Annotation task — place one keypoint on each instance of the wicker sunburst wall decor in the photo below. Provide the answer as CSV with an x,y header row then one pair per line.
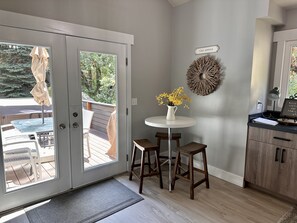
x,y
205,75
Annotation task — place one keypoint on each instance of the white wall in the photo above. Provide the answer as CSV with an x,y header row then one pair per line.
x,y
221,116
150,23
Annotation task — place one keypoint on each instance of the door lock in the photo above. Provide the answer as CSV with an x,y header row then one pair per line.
x,y
75,125
62,126
75,114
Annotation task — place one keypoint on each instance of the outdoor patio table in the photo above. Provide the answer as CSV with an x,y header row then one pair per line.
x,y
35,125
161,122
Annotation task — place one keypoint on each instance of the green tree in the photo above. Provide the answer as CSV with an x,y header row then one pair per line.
x,y
292,85
16,79
98,76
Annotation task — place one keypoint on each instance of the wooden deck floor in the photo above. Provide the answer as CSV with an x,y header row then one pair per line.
x,y
20,175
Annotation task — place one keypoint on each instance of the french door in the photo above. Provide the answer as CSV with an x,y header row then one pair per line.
x,y
97,66
80,139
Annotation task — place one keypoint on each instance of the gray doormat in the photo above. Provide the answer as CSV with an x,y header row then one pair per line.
x,y
84,205
289,217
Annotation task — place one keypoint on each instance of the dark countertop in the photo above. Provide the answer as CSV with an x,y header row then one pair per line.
x,y
272,116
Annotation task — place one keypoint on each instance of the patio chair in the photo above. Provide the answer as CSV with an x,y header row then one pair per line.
x,y
20,148
87,120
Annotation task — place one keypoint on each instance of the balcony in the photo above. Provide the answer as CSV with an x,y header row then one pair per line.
x,y
21,175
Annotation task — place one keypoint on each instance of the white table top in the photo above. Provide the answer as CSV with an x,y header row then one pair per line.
x,y
161,122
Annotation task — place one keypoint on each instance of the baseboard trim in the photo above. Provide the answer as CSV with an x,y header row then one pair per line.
x,y
214,171
221,174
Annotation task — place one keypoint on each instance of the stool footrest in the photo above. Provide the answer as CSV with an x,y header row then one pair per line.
x,y
199,182
181,177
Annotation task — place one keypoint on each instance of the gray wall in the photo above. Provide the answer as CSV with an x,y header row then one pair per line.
x,y
221,116
150,23
261,65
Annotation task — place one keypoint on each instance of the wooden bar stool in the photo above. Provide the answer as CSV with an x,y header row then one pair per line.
x,y
189,151
145,146
164,136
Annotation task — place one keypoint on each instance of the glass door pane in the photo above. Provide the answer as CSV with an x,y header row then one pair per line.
x,y
97,97
27,132
98,81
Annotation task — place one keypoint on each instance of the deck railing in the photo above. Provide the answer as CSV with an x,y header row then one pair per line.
x,y
101,116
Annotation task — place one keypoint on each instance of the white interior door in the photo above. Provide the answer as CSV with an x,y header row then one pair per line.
x,y
18,185
97,86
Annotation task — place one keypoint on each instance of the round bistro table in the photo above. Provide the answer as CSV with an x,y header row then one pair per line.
x,y
161,122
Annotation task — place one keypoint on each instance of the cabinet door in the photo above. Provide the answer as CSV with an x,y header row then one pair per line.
x,y
287,179
262,164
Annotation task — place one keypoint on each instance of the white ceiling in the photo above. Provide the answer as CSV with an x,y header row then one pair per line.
x,y
283,3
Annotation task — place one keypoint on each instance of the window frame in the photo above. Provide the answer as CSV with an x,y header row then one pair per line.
x,y
285,40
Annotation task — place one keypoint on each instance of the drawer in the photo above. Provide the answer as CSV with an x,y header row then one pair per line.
x,y
278,138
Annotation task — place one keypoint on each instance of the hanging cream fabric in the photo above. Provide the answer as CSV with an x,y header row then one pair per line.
x,y
39,65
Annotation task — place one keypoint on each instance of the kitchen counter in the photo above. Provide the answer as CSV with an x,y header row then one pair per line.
x,y
273,116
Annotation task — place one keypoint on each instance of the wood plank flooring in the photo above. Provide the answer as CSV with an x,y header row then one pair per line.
x,y
222,203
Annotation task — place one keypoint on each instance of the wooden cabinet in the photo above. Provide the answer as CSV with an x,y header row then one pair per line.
x,y
271,161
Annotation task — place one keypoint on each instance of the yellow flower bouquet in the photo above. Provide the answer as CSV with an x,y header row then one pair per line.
x,y
175,98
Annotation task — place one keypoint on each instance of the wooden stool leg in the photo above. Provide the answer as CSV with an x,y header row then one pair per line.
x,y
141,171
176,169
149,161
189,164
159,145
191,169
205,168
159,168
159,142
177,143
132,161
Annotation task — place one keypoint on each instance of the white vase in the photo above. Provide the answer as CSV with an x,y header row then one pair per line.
x,y
171,113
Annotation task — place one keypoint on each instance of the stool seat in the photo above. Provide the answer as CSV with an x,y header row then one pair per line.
x,y
189,151
145,146
164,135
192,148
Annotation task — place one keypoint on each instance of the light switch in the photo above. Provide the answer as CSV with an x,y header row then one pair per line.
x,y
134,101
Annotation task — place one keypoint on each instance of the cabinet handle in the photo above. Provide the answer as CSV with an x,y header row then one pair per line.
x,y
276,154
283,139
282,155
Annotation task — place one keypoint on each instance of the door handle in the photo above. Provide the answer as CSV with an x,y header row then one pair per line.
x,y
75,125
280,138
282,156
62,126
276,154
